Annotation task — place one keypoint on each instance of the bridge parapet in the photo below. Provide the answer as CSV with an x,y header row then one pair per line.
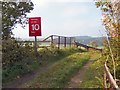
x,y
88,48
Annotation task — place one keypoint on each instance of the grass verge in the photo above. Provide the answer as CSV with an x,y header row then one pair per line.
x,y
60,73
94,75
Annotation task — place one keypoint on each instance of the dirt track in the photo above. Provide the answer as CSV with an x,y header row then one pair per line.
x,y
74,82
21,81
77,79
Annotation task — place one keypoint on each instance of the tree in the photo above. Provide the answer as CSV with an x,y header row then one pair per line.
x,y
111,21
13,13
111,16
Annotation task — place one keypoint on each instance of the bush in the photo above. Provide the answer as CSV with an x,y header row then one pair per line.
x,y
16,60
13,53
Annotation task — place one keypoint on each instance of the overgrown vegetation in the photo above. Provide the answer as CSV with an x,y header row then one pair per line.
x,y
60,73
18,61
111,21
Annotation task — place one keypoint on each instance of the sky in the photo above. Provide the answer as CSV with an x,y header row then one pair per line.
x,y
66,18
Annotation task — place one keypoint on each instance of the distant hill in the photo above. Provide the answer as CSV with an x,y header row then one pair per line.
x,y
88,39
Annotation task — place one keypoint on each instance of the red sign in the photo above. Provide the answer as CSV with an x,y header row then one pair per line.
x,y
35,26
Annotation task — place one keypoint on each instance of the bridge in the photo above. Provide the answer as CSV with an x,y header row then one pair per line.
x,y
88,48
60,42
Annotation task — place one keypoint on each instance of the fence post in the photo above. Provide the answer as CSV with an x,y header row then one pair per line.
x,y
70,42
52,40
65,42
58,42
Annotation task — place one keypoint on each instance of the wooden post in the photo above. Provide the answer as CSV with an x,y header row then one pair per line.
x,y
70,42
58,42
65,42
35,45
52,40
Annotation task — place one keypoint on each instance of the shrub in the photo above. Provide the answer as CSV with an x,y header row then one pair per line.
x,y
16,60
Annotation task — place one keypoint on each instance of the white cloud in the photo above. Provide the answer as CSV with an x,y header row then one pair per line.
x,y
73,0
73,11
46,1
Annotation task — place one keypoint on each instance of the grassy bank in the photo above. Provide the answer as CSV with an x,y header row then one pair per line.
x,y
94,75
60,73
27,62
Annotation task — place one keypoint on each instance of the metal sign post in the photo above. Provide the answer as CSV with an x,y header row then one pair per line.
x,y
35,45
35,29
